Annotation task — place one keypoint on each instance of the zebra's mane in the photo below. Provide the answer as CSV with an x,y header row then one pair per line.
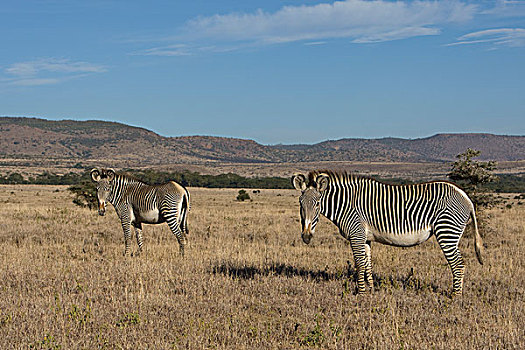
x,y
132,179
347,177
127,177
340,174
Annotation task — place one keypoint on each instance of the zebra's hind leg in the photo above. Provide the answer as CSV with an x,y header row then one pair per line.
x,y
181,236
138,235
458,271
449,244
368,271
184,220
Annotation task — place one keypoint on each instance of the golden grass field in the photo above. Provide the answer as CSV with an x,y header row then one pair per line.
x,y
247,281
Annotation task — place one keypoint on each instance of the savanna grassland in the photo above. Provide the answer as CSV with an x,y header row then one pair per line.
x,y
247,281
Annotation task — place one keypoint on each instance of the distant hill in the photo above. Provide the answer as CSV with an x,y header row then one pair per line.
x,y
100,140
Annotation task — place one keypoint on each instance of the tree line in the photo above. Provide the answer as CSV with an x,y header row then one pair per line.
x,y
506,183
475,177
185,178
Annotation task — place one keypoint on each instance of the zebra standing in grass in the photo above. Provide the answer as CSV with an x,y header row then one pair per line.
x,y
366,210
136,203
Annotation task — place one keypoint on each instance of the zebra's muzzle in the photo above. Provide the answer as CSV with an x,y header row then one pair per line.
x,y
306,238
306,235
102,209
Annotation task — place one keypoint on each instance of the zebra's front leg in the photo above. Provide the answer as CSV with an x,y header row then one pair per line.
x,y
360,259
126,227
138,235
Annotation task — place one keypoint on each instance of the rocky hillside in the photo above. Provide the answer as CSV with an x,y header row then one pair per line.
x,y
100,140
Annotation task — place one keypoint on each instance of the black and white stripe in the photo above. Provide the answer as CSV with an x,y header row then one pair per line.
x,y
136,203
366,210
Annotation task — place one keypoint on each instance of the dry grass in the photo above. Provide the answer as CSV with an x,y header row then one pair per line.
x,y
247,282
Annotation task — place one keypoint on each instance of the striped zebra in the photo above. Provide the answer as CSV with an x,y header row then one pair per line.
x,y
366,210
136,203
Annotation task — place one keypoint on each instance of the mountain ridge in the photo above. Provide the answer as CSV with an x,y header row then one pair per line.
x,y
97,139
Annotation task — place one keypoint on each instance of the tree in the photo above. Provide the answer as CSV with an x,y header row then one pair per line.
x,y
471,175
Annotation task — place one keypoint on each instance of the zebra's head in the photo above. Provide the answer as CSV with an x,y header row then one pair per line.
x,y
310,201
103,178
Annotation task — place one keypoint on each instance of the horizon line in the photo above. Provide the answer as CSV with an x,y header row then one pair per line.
x,y
261,143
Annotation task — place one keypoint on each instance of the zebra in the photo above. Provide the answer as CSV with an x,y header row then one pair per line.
x,y
366,210
136,203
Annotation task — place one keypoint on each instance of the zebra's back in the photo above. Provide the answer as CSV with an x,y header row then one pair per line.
x,y
405,215
401,215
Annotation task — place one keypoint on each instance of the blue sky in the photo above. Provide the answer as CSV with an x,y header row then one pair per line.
x,y
273,71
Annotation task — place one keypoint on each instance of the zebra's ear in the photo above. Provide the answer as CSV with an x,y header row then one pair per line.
x,y
95,174
111,174
322,182
299,182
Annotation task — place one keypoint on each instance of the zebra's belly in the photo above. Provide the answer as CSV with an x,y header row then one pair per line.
x,y
406,239
148,217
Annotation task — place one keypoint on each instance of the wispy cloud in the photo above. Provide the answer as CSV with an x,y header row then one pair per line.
x,y
315,43
34,81
168,50
186,49
48,71
510,37
398,34
359,21
506,8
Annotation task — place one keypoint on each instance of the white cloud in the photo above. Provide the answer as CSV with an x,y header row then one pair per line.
x,y
511,37
48,71
358,20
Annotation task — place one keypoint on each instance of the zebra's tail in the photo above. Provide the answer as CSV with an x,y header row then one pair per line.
x,y
184,212
478,242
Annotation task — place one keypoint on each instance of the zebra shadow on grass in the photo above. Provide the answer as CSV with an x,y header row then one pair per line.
x,y
275,269
246,272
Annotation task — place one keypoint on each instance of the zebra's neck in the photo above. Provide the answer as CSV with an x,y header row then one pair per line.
x,y
120,186
339,191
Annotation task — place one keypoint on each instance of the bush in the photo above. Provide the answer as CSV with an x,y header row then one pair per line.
x,y
243,195
13,179
85,194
